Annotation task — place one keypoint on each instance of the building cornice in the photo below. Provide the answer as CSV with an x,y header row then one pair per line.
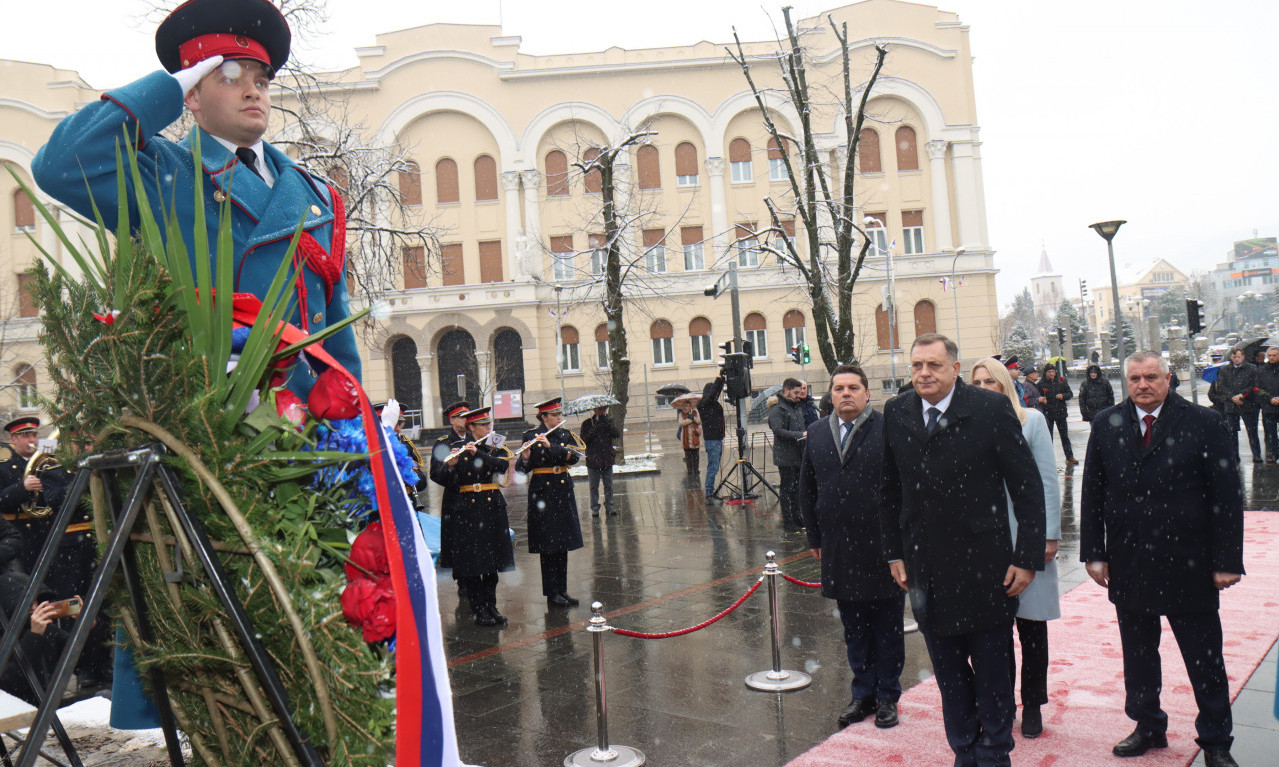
x,y
27,106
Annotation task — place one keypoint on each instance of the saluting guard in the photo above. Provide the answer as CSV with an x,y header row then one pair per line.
x,y
481,530
553,526
443,476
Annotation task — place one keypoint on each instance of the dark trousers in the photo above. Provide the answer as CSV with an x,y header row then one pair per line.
x,y
1199,639
693,459
593,478
1250,423
1060,423
976,695
554,573
481,591
1270,424
788,494
1034,661
876,646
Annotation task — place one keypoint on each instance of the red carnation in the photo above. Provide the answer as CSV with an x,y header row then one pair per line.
x,y
290,407
370,606
368,556
334,397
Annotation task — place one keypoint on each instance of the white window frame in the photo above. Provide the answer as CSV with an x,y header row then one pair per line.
x,y
748,252
759,343
601,354
570,358
599,258
777,170
694,257
878,239
655,259
741,172
796,337
914,240
687,180
701,348
663,351
562,266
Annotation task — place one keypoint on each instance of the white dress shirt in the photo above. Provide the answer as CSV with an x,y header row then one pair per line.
x,y
262,167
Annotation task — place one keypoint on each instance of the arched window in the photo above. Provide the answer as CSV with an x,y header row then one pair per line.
x,y
868,151
925,317
485,178
646,162
663,336
793,327
593,179
24,378
887,338
556,174
686,164
776,161
756,328
406,374
601,346
570,358
24,212
508,359
907,152
699,334
411,183
739,160
445,181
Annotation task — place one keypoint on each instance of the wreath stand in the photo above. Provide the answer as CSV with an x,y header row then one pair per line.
x,y
187,559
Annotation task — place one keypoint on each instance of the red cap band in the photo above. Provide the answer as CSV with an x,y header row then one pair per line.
x,y
228,46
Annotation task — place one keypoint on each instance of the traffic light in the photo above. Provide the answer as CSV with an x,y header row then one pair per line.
x,y
1083,290
805,358
794,354
727,346
1061,338
1194,315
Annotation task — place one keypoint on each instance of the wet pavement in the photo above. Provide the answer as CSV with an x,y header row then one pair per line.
x,y
670,559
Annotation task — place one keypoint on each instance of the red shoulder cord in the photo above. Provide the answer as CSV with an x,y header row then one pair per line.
x,y
327,264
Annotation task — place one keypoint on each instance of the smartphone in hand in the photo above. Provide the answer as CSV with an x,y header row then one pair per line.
x,y
66,608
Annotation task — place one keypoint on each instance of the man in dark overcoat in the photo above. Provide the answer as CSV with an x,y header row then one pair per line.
x,y
553,527
949,451
441,475
1268,383
1236,386
1054,392
839,489
1161,527
786,420
598,432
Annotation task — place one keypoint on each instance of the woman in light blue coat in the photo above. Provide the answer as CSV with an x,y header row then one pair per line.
x,y
1039,602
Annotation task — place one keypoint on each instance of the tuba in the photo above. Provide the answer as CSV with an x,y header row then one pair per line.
x,y
37,464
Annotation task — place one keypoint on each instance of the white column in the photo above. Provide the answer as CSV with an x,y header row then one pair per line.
x,y
942,237
970,204
719,209
514,227
431,415
532,263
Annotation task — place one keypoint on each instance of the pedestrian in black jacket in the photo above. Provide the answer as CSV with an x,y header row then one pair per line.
x,y
1095,394
598,432
786,419
1053,395
712,413
1268,382
1236,383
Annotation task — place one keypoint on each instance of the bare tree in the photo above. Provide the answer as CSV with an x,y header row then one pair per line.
x,y
822,194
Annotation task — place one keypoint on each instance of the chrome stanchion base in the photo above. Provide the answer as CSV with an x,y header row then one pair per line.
x,y
615,756
778,681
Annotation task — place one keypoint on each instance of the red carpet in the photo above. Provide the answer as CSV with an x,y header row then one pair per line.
x,y
1085,715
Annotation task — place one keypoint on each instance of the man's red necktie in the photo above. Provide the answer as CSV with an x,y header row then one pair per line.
x,y
1150,426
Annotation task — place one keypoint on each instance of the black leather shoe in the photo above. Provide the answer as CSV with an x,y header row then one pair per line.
x,y
557,601
1032,724
572,601
857,711
886,715
1219,757
495,615
1139,743
485,619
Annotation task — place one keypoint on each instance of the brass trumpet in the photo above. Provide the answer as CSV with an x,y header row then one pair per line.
x,y
37,464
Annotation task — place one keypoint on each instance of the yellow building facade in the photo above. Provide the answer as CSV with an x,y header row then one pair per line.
x,y
512,302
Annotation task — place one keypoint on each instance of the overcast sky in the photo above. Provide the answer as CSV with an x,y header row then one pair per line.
x,y
1161,112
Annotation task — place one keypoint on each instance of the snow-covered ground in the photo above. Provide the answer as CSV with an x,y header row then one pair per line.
x,y
98,744
643,463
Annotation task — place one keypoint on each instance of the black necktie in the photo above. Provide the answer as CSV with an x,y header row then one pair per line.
x,y
249,158
933,415
843,441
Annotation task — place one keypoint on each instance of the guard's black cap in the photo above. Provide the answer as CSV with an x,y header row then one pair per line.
x,y
234,29
22,425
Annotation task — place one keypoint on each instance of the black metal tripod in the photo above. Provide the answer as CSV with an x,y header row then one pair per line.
x,y
749,477
149,475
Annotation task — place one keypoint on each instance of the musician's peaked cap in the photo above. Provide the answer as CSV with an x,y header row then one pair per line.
x,y
234,29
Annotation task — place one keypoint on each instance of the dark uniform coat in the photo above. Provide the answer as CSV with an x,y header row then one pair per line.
x,y
481,531
553,525
1167,516
442,475
944,511
74,564
839,498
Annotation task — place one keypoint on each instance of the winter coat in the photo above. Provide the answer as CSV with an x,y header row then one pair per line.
x,y
598,432
690,429
1268,382
786,419
712,411
1054,409
1095,395
1167,516
944,508
553,525
1232,380
839,498
481,531
1039,602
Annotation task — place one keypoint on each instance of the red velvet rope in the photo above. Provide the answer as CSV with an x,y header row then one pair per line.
x,y
691,629
798,582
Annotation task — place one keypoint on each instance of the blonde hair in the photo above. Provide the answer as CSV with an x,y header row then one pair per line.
x,y
998,372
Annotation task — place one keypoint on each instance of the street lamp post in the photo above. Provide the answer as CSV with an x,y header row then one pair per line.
x,y
1107,230
559,337
954,296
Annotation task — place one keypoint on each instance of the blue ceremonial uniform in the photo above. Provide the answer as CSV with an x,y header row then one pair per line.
x,y
263,218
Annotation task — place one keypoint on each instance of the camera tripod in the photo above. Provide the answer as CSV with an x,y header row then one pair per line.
x,y
748,477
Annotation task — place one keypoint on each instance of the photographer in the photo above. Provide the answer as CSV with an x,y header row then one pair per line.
x,y
712,413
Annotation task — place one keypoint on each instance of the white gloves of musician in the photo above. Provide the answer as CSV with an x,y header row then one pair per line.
x,y
187,78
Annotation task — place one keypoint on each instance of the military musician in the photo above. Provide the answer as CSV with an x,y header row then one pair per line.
x,y
553,526
441,475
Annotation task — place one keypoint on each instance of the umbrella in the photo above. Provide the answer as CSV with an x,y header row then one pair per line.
x,y
673,390
1210,372
589,403
683,398
761,401
1251,348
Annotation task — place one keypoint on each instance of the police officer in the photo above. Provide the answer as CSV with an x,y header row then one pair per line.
x,y
553,527
441,475
481,531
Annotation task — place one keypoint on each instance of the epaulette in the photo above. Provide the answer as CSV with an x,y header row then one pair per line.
x,y
5,453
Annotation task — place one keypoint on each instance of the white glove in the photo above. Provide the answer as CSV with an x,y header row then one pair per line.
x,y
390,414
187,78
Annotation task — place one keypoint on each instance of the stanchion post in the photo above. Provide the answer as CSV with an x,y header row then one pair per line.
x,y
604,754
777,679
